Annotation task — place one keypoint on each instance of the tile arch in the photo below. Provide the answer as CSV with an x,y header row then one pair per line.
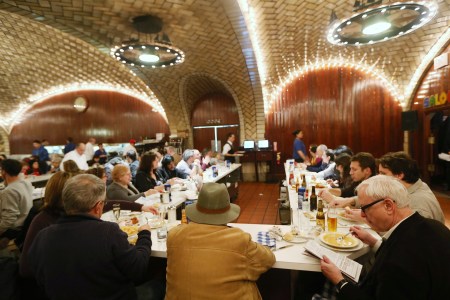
x,y
216,85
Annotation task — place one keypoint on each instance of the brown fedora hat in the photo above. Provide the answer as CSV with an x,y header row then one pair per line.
x,y
213,206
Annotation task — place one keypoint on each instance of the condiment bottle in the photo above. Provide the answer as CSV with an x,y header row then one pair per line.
x,y
320,216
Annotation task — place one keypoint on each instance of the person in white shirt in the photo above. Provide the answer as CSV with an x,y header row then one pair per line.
x,y
197,166
184,167
130,147
89,152
228,150
77,156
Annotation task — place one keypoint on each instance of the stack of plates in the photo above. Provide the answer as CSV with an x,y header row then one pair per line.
x,y
331,241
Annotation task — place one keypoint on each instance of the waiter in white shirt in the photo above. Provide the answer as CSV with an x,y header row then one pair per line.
x,y
89,152
228,150
77,156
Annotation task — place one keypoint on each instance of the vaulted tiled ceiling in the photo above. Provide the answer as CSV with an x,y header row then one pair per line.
x,y
46,44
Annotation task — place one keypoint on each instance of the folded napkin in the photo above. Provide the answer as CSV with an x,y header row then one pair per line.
x,y
264,239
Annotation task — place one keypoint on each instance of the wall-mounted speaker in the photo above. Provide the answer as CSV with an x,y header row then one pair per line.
x,y
410,120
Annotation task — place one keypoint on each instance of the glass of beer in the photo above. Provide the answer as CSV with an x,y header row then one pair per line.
x,y
332,219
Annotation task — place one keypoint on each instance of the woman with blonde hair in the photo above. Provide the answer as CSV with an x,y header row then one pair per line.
x,y
121,188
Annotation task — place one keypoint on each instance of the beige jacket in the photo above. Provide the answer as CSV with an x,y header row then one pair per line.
x,y
214,262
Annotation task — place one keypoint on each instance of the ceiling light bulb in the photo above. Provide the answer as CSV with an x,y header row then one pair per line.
x,y
148,57
377,27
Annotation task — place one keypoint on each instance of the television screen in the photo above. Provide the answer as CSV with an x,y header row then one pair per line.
x,y
249,144
263,144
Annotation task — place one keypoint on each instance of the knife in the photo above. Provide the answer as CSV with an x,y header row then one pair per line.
x,y
282,247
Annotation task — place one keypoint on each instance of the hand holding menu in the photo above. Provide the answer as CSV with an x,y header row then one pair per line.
x,y
348,267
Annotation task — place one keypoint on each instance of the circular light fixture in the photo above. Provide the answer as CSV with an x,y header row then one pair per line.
x,y
149,55
381,23
147,52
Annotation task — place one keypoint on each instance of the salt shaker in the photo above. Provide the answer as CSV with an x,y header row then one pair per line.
x,y
172,214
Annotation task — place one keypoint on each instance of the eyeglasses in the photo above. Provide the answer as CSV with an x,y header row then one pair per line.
x,y
364,207
100,202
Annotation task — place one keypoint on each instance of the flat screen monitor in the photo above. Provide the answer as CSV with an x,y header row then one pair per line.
x,y
263,144
249,145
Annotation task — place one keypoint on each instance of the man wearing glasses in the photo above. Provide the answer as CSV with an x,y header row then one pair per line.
x,y
411,260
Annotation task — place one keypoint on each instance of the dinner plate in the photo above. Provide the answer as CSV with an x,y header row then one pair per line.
x,y
360,245
341,215
331,239
294,239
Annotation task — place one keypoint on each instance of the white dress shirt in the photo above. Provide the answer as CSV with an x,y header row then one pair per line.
x,y
80,160
89,152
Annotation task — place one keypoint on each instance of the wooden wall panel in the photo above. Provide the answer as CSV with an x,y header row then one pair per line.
x,y
433,82
336,106
214,110
111,117
215,107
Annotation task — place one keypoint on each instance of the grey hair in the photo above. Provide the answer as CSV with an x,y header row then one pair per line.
x,y
382,186
323,147
82,192
188,153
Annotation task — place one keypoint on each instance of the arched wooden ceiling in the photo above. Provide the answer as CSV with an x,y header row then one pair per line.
x,y
48,44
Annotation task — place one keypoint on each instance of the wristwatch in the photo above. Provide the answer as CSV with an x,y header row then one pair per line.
x,y
340,285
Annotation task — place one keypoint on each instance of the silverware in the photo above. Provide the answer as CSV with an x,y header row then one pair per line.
x,y
282,247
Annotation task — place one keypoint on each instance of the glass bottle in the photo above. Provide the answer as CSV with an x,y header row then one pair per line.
x,y
183,216
291,179
304,181
313,199
320,216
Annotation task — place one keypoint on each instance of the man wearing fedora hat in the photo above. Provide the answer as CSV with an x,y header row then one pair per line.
x,y
206,257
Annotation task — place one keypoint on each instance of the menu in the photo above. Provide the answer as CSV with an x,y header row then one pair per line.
x,y
348,267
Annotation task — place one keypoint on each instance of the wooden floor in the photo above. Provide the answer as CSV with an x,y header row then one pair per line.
x,y
259,203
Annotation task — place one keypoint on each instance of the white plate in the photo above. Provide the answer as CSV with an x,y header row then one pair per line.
x,y
340,215
296,240
330,239
360,245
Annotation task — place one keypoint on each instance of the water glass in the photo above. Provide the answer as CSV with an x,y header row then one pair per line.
x,y
116,211
162,232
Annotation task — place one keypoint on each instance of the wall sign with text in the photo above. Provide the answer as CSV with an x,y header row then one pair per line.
x,y
437,99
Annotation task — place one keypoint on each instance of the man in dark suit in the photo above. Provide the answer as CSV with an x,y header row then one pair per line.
x,y
412,261
83,257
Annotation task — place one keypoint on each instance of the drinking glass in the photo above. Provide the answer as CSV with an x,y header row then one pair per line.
x,y
332,219
161,232
304,223
116,211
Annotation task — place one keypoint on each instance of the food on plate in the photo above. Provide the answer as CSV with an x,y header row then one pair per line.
x,y
320,185
338,240
288,237
130,230
134,220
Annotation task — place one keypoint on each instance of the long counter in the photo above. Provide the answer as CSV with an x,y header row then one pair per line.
x,y
292,258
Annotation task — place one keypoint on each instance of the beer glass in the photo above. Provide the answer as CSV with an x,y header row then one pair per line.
x,y
332,219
